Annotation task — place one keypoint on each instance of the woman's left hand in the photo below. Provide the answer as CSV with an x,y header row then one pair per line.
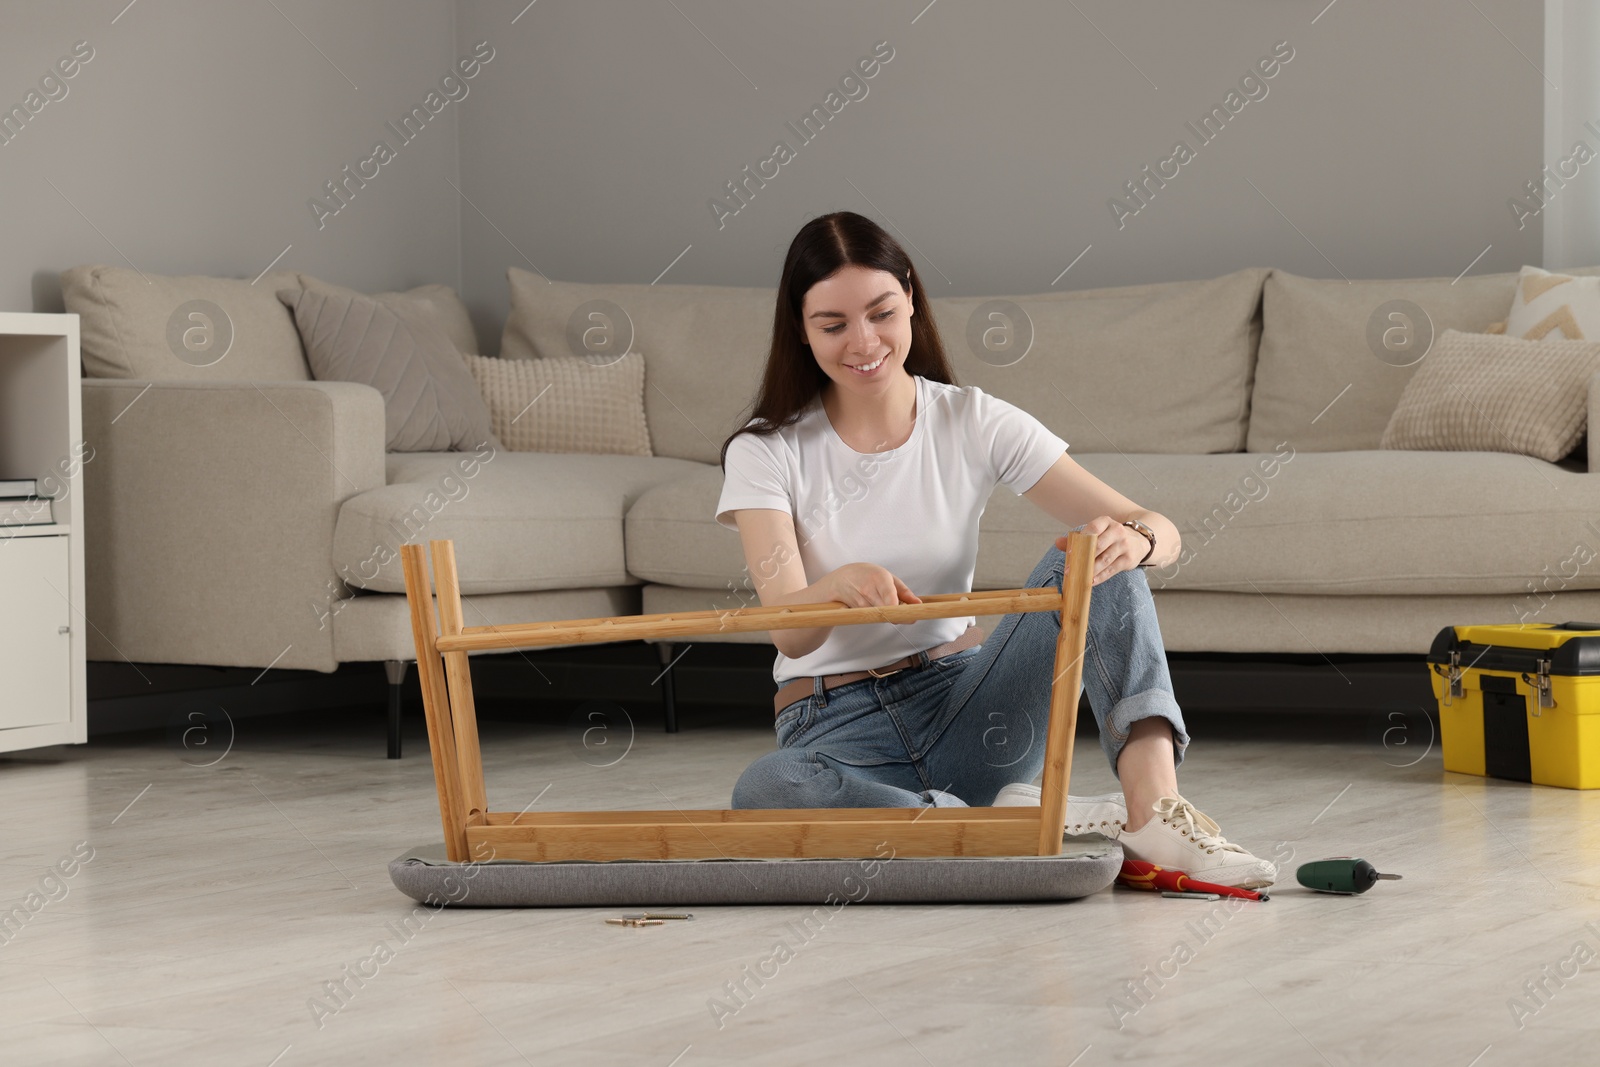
x,y
1118,548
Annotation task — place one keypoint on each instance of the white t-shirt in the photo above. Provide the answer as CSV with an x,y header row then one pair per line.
x,y
913,510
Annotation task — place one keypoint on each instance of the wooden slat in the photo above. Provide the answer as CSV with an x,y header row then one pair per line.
x,y
749,815
747,620
464,713
435,702
976,596
1076,587
765,840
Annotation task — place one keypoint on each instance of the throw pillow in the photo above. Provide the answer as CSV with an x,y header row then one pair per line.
x,y
431,403
705,346
1478,392
183,328
566,403
1315,352
1550,305
441,301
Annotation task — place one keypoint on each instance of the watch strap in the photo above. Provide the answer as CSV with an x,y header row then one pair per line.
x,y
1148,534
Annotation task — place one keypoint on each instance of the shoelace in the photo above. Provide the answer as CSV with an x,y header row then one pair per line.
x,y
1195,825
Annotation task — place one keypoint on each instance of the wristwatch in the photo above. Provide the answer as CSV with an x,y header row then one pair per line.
x,y
1149,535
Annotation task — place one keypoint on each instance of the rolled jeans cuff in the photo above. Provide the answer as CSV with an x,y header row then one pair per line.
x,y
1152,703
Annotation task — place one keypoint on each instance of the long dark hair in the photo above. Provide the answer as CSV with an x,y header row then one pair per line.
x,y
825,244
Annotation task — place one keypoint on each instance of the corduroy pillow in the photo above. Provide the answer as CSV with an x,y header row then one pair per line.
x,y
1479,392
431,402
566,403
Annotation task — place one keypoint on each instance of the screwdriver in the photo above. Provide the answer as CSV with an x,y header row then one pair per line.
x,y
1341,874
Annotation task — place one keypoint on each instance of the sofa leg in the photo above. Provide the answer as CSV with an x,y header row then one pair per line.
x,y
669,701
396,670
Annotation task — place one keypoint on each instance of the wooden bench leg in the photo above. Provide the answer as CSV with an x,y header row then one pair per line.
x,y
1076,586
458,677
435,702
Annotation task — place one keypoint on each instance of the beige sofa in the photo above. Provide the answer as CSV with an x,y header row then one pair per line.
x,y
243,514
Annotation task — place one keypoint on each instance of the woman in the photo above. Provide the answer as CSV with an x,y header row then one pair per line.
x,y
865,466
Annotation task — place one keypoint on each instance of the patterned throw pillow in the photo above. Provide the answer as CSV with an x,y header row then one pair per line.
x,y
1554,306
430,401
566,403
1478,392
449,313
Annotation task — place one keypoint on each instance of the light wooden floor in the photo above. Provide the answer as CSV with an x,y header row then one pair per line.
x,y
220,899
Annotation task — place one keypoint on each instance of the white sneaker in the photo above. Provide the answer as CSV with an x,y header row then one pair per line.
x,y
1106,814
1180,838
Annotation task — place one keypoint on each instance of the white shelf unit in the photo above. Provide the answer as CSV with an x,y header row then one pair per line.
x,y
42,639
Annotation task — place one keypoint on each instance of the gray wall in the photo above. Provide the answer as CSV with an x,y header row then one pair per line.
x,y
1571,217
193,140
994,138
590,146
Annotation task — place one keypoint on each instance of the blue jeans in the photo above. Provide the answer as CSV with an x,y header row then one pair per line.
x,y
969,723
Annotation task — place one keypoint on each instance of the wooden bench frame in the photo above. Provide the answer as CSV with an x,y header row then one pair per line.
x,y
473,832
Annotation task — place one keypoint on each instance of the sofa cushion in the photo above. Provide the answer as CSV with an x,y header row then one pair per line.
x,y
444,307
1140,368
1149,368
1287,522
520,520
1550,306
704,346
1480,392
1356,522
163,328
566,404
1319,383
431,401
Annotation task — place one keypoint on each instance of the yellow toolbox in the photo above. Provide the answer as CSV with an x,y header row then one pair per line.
x,y
1520,701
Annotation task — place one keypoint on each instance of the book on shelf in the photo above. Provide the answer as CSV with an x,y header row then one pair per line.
x,y
27,511
18,487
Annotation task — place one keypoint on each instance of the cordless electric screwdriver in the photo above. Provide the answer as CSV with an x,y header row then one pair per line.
x,y
1342,874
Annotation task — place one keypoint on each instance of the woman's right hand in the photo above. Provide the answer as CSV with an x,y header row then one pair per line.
x,y
862,585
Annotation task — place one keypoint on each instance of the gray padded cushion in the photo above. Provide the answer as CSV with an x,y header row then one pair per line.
x,y
1086,865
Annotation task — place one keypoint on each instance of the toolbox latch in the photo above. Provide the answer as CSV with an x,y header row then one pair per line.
x,y
1541,684
1454,676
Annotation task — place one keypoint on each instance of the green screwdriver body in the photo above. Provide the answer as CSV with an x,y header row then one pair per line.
x,y
1342,874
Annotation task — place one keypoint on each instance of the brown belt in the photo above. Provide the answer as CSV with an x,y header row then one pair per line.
x,y
800,688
